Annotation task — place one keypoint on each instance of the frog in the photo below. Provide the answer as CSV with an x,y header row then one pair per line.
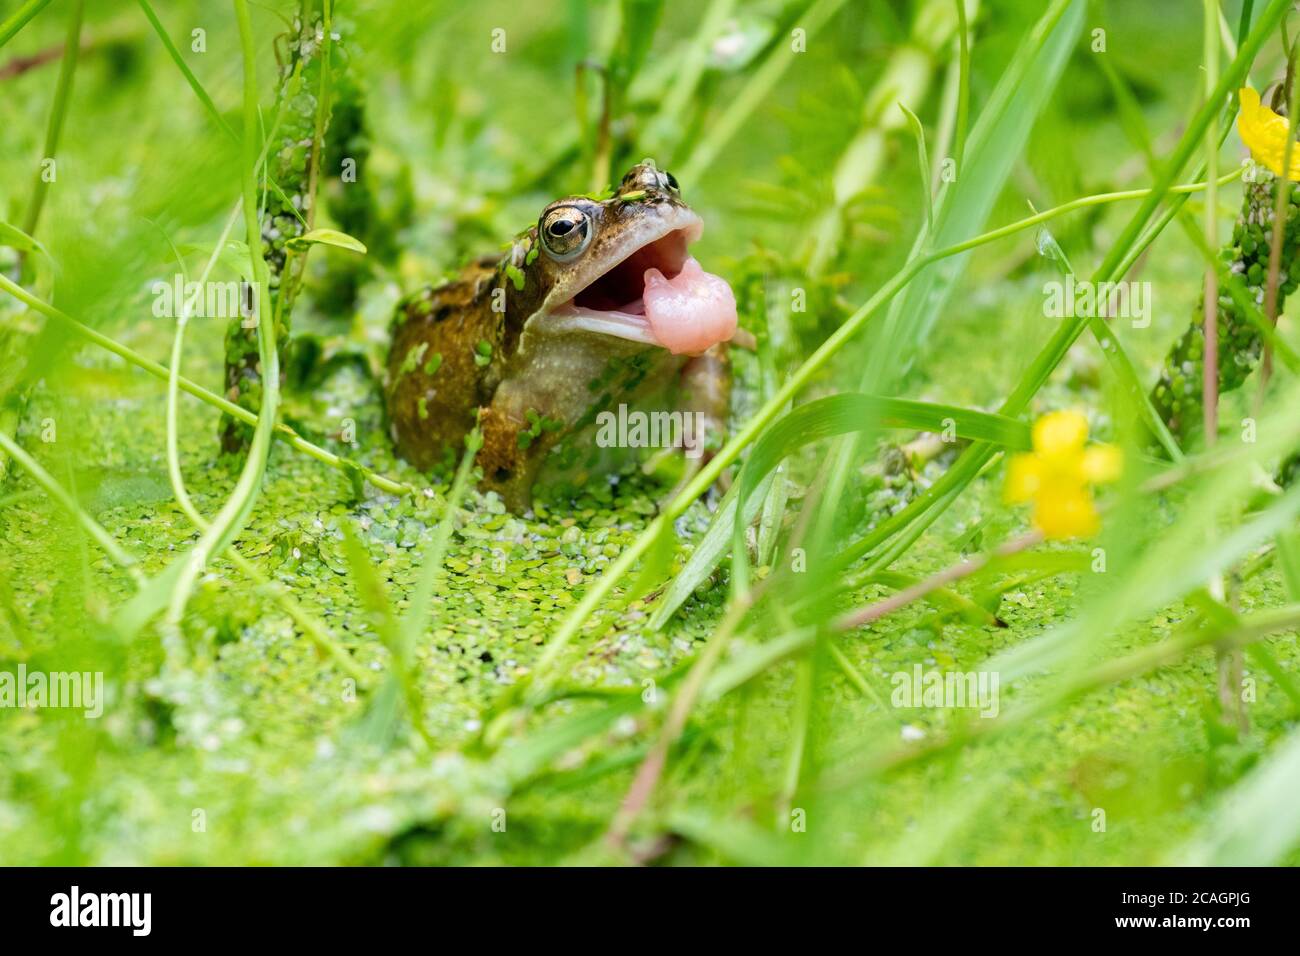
x,y
597,305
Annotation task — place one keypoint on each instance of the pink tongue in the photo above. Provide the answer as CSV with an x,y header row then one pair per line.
x,y
690,312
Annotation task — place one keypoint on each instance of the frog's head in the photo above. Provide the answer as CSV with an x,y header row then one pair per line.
x,y
620,267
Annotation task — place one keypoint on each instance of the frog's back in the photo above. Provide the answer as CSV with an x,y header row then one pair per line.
x,y
437,378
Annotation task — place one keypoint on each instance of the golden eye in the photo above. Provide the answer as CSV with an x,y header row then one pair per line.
x,y
565,232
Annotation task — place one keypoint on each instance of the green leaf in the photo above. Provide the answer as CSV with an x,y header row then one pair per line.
x,y
706,555
657,564
15,238
371,591
327,237
923,158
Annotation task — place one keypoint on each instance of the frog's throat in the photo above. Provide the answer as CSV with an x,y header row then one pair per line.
x,y
605,296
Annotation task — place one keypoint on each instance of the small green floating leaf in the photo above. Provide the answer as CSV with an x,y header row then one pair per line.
x,y
413,357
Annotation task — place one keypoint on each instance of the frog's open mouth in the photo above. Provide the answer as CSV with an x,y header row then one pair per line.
x,y
651,290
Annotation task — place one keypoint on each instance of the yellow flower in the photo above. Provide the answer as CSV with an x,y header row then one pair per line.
x,y
1265,134
1056,476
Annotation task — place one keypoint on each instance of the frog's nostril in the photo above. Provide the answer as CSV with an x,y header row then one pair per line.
x,y
502,474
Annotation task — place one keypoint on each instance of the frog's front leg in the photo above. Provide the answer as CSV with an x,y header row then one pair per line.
x,y
705,382
509,463
526,418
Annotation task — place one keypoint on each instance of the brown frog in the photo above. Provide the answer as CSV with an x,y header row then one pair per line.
x,y
598,305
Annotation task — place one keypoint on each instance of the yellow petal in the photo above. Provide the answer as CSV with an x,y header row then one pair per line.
x,y
1024,475
1102,463
1066,513
1059,433
1265,133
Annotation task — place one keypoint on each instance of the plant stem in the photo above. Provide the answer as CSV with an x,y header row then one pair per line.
x,y
282,221
1210,404
14,404
963,89
235,512
963,568
173,380
316,631
58,112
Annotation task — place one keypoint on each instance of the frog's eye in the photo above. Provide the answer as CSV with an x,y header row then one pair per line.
x,y
565,232
666,181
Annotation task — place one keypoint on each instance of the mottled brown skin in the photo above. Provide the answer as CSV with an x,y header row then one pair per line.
x,y
448,321
533,367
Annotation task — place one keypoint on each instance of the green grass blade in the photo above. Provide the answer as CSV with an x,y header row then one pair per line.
x,y
20,18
